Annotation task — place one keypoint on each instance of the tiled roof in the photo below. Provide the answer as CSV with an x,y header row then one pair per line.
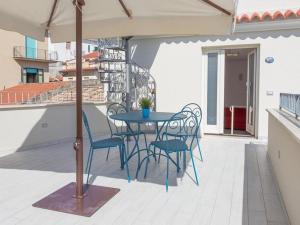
x,y
26,91
74,69
91,55
268,16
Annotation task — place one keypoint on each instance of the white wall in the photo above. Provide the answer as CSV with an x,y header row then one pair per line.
x,y
284,153
176,65
68,54
235,82
24,127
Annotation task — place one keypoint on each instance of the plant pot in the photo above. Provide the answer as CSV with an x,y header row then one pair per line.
x,y
146,113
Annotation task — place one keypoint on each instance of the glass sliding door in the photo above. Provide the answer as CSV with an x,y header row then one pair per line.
x,y
213,94
212,88
251,75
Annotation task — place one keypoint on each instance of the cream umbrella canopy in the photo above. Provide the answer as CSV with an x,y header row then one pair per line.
x,y
66,20
116,18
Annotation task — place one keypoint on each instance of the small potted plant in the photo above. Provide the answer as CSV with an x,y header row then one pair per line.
x,y
145,104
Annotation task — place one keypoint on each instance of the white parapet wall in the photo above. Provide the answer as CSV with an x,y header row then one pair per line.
x,y
29,126
284,153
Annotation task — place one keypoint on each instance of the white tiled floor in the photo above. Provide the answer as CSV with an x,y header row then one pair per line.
x,y
236,188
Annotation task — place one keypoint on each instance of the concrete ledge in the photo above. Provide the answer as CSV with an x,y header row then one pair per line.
x,y
285,120
38,106
284,153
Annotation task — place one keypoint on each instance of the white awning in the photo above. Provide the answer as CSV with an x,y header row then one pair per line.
x,y
108,18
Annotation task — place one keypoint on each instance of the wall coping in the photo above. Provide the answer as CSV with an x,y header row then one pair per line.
x,y
42,106
286,123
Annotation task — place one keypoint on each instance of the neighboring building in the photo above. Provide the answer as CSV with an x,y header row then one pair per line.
x,y
89,67
23,60
67,50
247,70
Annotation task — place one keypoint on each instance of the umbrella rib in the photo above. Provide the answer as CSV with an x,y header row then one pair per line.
x,y
216,6
51,14
128,13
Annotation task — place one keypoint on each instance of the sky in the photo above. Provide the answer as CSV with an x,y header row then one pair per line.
x,y
266,5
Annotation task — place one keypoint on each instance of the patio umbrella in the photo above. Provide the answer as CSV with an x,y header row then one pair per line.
x,y
66,20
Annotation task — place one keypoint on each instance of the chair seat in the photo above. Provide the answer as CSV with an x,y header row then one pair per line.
x,y
108,142
170,145
127,133
177,134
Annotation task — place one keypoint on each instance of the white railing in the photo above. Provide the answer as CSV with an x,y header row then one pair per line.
x,y
290,103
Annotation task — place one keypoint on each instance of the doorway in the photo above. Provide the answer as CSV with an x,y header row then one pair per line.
x,y
230,91
32,78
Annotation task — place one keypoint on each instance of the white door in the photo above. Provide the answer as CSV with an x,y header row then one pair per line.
x,y
251,75
213,92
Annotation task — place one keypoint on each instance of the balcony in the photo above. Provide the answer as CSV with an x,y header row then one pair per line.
x,y
34,54
236,183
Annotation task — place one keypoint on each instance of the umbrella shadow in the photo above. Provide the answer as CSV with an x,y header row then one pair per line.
x,y
60,157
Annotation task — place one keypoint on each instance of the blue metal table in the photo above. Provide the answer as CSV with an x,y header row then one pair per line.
x,y
137,118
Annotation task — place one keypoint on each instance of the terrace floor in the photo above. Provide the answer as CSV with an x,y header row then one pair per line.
x,y
236,188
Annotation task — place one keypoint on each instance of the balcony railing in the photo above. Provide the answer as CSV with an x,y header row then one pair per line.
x,y
34,54
290,103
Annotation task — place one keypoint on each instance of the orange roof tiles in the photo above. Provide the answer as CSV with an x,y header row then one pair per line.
x,y
268,16
22,92
91,55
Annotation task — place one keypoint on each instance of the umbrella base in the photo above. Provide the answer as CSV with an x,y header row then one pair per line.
x,y
63,200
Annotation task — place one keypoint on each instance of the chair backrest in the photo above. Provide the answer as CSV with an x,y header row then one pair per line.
x,y
87,127
196,109
184,121
115,126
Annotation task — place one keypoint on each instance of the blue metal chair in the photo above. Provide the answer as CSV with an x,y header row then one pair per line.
x,y
187,122
103,144
196,109
118,128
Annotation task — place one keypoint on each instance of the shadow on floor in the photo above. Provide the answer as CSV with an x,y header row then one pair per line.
x,y
262,204
61,158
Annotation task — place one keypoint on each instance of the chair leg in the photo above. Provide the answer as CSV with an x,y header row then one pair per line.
x,y
121,153
192,158
89,166
88,159
177,160
167,177
184,159
146,169
126,162
159,155
199,148
107,153
127,144
154,151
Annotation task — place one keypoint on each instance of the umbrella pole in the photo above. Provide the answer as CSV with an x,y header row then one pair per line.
x,y
79,144
86,201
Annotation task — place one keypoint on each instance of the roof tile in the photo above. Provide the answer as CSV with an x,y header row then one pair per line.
x,y
268,16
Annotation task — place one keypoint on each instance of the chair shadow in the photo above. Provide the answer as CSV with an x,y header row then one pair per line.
x,y
156,172
60,158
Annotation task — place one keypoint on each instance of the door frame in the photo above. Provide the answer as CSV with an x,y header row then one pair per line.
x,y
219,127
251,128
206,49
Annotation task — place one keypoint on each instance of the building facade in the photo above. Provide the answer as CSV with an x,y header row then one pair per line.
x,y
90,66
23,60
245,71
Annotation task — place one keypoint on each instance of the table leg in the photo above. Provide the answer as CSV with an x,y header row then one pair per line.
x,y
136,145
